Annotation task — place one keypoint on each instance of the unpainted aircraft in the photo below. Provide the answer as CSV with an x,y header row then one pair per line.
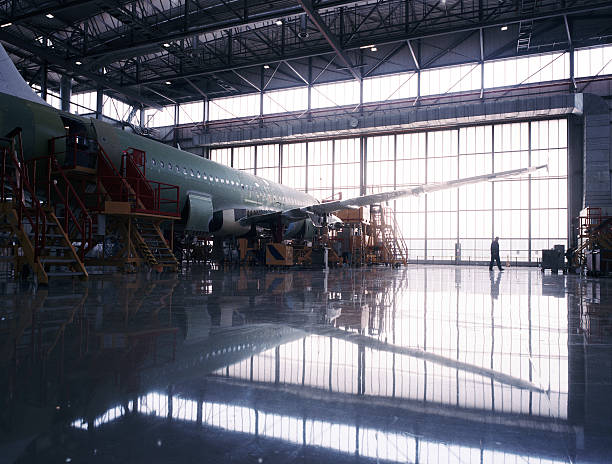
x,y
214,199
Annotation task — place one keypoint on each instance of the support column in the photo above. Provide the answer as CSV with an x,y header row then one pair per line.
x,y
575,129
363,160
65,92
306,168
529,214
43,83
596,146
361,84
175,130
100,103
309,88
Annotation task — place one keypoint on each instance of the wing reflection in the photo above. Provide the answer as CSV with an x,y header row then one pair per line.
x,y
347,361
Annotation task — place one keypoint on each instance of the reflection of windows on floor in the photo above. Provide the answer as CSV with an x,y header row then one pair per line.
x,y
344,438
528,343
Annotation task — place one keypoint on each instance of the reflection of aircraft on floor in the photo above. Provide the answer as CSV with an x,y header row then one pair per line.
x,y
235,366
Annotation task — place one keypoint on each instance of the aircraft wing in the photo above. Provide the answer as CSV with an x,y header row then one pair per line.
x,y
321,209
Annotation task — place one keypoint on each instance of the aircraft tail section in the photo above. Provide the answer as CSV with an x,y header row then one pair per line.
x,y
12,83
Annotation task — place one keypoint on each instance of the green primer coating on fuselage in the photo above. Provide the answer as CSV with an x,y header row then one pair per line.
x,y
39,123
223,184
228,188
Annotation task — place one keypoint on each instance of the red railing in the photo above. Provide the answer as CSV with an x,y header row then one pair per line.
x,y
127,185
111,180
591,221
155,197
76,150
60,191
19,184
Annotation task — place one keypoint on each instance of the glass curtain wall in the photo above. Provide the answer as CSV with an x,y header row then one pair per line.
x,y
529,213
294,165
244,159
268,162
346,168
320,169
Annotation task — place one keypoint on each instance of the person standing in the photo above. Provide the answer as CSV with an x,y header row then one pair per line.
x,y
495,255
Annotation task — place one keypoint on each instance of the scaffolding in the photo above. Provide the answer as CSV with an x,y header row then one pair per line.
x,y
594,241
57,211
385,243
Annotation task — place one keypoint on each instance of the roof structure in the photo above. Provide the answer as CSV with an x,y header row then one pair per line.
x,y
159,51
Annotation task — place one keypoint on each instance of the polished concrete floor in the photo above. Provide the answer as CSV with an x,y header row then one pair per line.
x,y
421,364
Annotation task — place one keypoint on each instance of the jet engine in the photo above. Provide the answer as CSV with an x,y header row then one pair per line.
x,y
225,222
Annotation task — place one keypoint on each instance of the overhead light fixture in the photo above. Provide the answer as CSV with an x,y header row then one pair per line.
x,y
366,46
168,83
166,45
504,28
266,66
278,22
50,15
78,63
374,49
6,24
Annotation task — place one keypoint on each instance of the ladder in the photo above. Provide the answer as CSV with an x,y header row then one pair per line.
x,y
526,26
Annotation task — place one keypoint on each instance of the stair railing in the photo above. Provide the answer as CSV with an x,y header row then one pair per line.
x,y
64,194
84,223
20,185
111,180
156,197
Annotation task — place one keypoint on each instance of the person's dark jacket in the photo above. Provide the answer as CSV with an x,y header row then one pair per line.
x,y
494,248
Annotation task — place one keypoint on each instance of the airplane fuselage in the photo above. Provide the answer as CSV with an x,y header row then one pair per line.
x,y
223,188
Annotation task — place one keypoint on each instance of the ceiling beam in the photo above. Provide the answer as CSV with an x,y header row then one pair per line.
x,y
331,39
317,52
386,58
414,57
43,54
51,8
199,23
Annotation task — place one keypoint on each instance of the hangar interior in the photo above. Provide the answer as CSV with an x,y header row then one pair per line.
x,y
432,93
414,352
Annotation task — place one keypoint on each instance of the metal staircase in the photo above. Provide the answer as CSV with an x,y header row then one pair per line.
x,y
134,207
152,244
595,233
44,244
59,256
385,245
